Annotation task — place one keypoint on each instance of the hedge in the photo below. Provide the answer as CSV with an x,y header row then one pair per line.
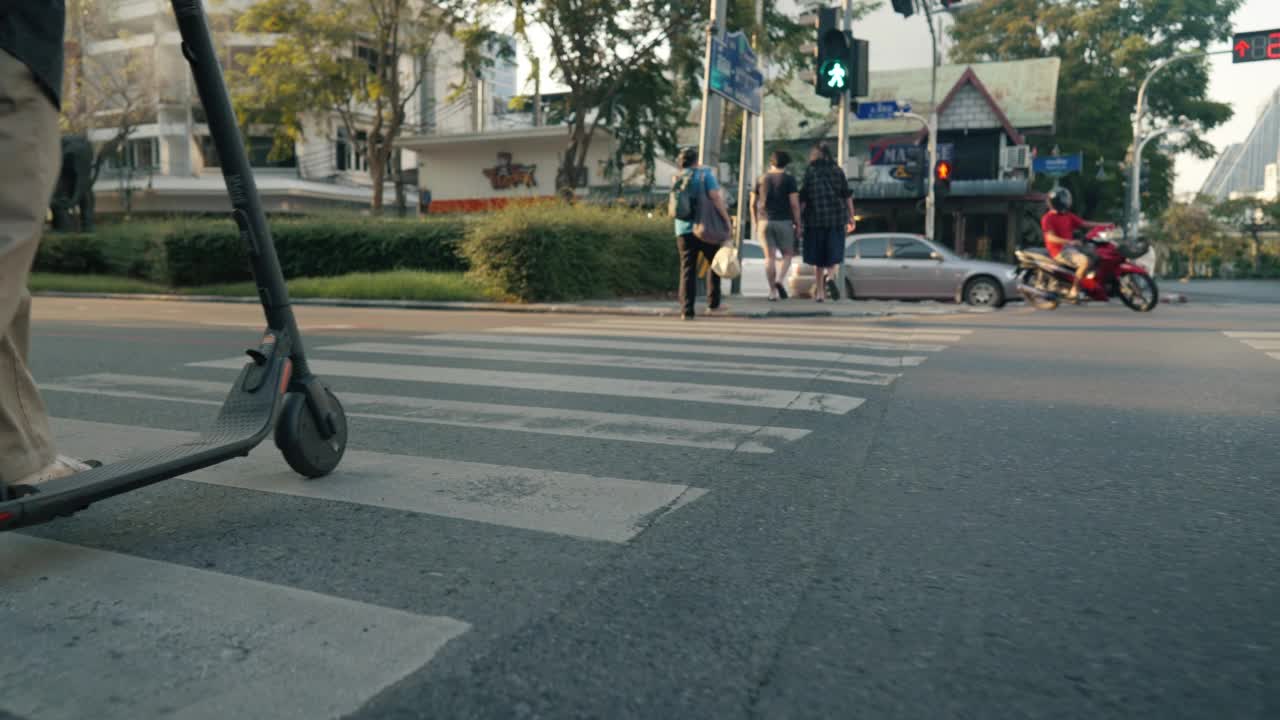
x,y
527,253
555,252
201,252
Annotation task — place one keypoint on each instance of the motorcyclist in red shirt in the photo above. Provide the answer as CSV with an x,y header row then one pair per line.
x,y
1059,225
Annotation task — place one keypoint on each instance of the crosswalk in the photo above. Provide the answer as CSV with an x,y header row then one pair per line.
x,y
1266,341
546,394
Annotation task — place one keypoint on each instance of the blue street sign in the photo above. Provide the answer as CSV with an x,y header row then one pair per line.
x,y
735,74
883,110
1055,165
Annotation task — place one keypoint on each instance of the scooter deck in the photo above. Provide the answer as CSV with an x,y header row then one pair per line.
x,y
247,416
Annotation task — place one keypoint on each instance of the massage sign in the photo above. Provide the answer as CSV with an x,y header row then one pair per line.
x,y
506,175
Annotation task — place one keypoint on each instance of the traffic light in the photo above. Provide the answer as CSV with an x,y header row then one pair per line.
x,y
833,77
904,7
941,179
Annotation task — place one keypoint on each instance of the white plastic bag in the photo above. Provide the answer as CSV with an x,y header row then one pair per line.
x,y
726,264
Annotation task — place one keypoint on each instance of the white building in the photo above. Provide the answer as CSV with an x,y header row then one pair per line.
x,y
1249,167
169,161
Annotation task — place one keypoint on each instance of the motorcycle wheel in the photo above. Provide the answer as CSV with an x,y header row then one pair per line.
x,y
1139,292
1033,299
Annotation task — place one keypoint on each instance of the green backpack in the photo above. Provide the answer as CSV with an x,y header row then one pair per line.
x,y
683,203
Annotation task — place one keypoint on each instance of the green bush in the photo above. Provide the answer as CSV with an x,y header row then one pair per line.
x,y
189,252
538,253
71,253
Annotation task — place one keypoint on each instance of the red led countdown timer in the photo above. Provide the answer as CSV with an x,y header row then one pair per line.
x,y
1256,45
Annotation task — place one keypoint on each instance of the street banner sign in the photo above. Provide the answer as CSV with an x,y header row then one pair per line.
x,y
1055,165
883,110
900,154
1256,45
735,74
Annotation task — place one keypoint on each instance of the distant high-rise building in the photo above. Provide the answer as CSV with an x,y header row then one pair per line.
x,y
1242,167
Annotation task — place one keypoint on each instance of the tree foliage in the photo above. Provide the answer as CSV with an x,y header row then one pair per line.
x,y
1107,47
635,67
1190,231
345,58
113,90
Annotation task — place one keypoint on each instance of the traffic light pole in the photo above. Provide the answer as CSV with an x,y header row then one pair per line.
x,y
842,111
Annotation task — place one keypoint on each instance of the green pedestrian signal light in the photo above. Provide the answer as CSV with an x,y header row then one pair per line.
x,y
835,74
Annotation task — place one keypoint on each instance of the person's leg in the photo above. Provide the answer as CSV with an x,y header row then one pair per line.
x,y
713,280
787,244
687,246
814,242
769,244
1073,257
784,268
30,147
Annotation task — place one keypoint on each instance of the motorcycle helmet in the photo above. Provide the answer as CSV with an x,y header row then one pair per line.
x,y
1060,199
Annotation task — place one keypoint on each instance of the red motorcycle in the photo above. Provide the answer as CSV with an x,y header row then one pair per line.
x,y
1045,282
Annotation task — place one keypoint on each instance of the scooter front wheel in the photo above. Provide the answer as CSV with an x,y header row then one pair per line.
x,y
300,441
1138,291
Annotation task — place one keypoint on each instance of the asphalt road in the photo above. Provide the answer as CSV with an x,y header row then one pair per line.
x,y
1007,515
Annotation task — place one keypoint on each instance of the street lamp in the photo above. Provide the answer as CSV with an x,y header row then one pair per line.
x,y
1139,111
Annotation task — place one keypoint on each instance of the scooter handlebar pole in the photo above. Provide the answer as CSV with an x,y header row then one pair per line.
x,y
197,48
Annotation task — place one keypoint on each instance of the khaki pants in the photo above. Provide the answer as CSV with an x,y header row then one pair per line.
x,y
30,151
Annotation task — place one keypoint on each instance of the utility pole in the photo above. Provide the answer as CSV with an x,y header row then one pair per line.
x,y
746,176
712,105
930,209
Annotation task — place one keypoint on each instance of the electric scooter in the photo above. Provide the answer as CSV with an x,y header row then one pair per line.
x,y
275,390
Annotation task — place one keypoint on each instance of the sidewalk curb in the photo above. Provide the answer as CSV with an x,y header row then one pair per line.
x,y
463,306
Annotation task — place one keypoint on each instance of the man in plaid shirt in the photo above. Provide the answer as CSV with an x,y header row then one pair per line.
x,y
827,212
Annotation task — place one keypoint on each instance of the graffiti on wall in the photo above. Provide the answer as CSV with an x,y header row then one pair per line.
x,y
506,175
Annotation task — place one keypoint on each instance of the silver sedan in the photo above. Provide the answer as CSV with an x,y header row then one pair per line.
x,y
905,266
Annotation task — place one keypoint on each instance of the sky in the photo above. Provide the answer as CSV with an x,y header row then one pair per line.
x,y
898,42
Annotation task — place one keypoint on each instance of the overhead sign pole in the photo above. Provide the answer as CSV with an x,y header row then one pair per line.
x,y
712,105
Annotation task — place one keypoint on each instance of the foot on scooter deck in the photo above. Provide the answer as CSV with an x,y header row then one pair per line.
x,y
247,416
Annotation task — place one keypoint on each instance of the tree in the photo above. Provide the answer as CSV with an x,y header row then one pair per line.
x,y
634,67
112,89
342,57
1252,216
1190,231
1107,47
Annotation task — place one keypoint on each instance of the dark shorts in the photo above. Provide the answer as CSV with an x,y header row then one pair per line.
x,y
823,246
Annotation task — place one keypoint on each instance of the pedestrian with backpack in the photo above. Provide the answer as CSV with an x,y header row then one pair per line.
x,y
701,226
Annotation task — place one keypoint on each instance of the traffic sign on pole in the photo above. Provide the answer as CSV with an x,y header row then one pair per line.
x,y
735,74
883,110
1256,45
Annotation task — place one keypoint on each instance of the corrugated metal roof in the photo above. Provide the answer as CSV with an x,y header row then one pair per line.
x,y
1027,91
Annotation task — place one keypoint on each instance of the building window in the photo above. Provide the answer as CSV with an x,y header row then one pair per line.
x,y
352,155
139,154
258,149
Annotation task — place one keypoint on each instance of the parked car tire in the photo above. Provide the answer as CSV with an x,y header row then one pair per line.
x,y
848,287
984,291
